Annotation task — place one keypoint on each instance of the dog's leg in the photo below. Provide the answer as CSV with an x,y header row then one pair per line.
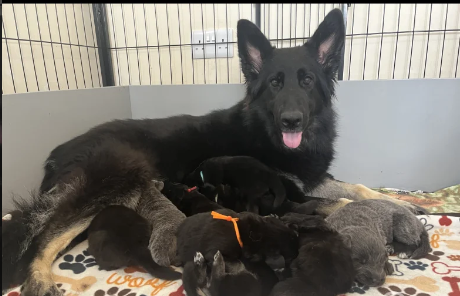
x,y
334,189
54,239
70,218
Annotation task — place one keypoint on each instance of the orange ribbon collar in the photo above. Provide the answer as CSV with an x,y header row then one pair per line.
x,y
216,215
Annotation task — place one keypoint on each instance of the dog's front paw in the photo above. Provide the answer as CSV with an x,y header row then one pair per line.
x,y
198,259
34,286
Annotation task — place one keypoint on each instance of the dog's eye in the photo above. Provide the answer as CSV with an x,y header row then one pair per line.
x,y
275,82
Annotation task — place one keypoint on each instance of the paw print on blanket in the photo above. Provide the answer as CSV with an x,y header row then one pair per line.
x,y
180,292
444,232
454,257
435,256
79,263
115,291
412,265
396,291
358,288
427,226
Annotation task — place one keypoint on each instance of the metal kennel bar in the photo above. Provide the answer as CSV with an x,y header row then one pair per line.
x,y
72,46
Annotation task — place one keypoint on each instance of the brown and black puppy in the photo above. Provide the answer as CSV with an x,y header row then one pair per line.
x,y
119,237
324,266
262,237
253,179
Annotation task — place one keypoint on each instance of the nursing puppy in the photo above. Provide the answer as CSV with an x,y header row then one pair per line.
x,y
323,267
261,237
119,237
189,200
165,218
376,228
227,277
252,178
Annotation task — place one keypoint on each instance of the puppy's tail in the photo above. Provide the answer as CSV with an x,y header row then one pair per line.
x,y
189,279
145,260
424,247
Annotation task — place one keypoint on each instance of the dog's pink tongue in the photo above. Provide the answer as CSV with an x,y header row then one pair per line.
x,y
292,140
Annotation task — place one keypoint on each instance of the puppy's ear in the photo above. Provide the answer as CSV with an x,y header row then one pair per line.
x,y
327,42
253,47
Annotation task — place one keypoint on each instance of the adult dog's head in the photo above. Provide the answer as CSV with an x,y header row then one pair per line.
x,y
289,90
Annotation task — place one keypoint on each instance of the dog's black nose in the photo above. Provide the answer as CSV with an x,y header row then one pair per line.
x,y
291,120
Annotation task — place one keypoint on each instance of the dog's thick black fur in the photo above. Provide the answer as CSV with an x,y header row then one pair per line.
x,y
262,237
286,121
324,266
119,237
253,179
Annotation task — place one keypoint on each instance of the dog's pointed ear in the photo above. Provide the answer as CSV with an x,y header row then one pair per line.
x,y
253,48
327,42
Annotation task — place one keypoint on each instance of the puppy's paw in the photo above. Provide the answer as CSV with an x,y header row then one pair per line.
x,y
218,260
403,255
34,286
198,259
389,269
390,250
217,256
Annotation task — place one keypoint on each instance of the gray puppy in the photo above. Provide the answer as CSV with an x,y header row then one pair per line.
x,y
375,228
165,219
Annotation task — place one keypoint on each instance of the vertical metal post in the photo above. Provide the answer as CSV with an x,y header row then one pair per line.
x,y
342,60
258,14
103,44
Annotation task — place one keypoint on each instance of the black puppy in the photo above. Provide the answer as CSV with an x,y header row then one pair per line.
x,y
189,200
324,266
118,237
261,237
227,277
251,177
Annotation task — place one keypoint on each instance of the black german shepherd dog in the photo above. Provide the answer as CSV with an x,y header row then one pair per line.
x,y
286,121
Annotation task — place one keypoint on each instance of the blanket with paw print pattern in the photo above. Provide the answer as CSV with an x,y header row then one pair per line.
x,y
76,272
